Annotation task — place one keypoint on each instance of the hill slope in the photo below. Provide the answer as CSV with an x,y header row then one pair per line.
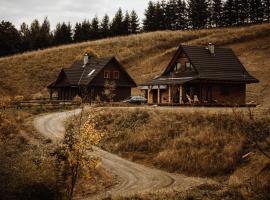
x,y
144,56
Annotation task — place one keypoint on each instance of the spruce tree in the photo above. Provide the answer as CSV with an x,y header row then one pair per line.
x,y
182,15
229,13
126,24
266,8
217,12
117,23
198,13
45,36
171,14
243,13
62,34
149,23
159,17
9,39
82,31
95,32
105,26
134,22
256,11
25,37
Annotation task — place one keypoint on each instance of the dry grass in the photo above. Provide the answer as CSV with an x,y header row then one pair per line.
x,y
196,143
144,56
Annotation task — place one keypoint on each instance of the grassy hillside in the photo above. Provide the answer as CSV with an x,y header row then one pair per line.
x,y
144,56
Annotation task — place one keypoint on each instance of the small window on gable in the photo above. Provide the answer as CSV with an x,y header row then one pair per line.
x,y
178,66
106,74
188,66
116,74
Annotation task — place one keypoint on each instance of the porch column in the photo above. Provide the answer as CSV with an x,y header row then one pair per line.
x,y
51,92
181,94
170,94
158,95
148,95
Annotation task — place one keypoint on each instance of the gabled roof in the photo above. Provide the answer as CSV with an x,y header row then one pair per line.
x,y
223,65
79,74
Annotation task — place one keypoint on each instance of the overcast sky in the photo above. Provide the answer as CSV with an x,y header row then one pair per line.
x,y
18,11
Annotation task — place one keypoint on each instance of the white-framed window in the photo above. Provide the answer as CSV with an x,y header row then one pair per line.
x,y
178,66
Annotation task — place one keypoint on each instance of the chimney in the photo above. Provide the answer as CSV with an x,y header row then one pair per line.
x,y
211,48
85,59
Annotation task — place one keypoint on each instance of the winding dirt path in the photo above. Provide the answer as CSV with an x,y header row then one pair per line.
x,y
132,177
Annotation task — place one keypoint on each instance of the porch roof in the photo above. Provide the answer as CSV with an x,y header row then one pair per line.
x,y
165,80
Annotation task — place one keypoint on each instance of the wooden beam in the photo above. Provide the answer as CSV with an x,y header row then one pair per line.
x,y
148,95
181,94
170,94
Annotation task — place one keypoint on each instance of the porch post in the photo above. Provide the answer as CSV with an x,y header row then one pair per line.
x,y
181,94
170,94
148,95
158,94
51,93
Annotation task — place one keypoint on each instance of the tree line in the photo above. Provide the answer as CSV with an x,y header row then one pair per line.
x,y
38,35
159,15
197,14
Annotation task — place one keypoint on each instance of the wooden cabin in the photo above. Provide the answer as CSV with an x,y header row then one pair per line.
x,y
86,78
203,75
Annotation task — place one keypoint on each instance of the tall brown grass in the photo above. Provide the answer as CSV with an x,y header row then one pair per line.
x,y
144,56
195,143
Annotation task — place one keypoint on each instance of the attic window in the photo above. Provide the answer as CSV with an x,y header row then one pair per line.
x,y
116,74
106,74
178,67
92,72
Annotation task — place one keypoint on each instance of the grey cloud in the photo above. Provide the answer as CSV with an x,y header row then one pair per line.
x,y
18,11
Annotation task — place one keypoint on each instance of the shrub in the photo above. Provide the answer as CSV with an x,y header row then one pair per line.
x,y
77,100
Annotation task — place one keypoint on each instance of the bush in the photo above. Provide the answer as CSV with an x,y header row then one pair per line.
x,y
77,100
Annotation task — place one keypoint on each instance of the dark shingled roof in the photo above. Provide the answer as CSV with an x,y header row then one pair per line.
x,y
80,74
222,66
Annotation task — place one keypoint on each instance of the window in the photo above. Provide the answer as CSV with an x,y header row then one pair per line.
x,y
178,67
188,66
92,72
116,74
106,74
224,91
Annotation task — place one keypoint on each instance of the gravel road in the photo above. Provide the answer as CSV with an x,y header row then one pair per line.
x,y
132,177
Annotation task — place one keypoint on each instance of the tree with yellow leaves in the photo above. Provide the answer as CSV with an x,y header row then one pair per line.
x,y
74,159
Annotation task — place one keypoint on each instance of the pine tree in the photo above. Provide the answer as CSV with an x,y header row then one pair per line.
x,y
62,34
45,36
9,39
198,13
266,8
25,37
82,31
95,32
217,12
159,17
117,23
229,14
171,14
126,24
105,26
256,11
134,22
243,13
149,23
182,15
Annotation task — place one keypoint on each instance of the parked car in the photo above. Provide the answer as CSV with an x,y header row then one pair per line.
x,y
136,100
